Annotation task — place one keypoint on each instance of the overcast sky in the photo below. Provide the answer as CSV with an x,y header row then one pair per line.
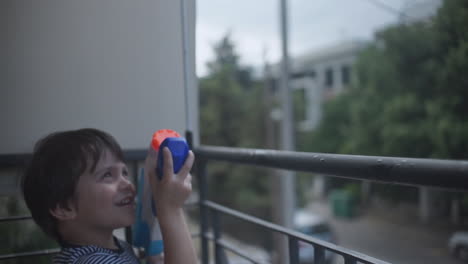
x,y
254,25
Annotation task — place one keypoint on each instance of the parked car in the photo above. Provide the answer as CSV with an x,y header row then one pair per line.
x,y
315,226
458,245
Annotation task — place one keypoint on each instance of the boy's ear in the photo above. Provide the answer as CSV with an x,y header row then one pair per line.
x,y
63,213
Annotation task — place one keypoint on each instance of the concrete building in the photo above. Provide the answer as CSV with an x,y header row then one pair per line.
x,y
321,74
315,77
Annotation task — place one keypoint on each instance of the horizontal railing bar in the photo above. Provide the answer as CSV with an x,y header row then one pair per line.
x,y
15,218
451,174
270,226
21,159
12,160
50,251
225,244
30,254
187,205
191,204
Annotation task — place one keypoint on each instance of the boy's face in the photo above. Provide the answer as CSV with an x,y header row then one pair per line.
x,y
105,197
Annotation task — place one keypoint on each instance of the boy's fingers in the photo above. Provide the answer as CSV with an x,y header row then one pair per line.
x,y
184,171
151,160
152,181
188,180
168,164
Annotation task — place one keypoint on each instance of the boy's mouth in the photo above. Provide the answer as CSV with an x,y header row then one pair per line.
x,y
130,200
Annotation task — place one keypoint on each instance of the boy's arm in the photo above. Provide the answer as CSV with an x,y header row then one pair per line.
x,y
177,239
158,259
170,193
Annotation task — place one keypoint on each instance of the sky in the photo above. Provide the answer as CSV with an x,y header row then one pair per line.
x,y
254,25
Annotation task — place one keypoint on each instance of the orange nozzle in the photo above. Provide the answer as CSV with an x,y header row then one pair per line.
x,y
160,135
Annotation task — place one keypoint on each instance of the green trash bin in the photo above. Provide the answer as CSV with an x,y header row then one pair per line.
x,y
342,203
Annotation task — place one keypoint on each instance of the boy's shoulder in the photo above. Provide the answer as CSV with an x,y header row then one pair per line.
x,y
93,254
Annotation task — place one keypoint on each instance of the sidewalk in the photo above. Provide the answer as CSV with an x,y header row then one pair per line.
x,y
392,239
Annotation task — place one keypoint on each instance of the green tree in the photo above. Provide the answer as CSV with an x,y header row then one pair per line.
x,y
21,236
231,114
409,97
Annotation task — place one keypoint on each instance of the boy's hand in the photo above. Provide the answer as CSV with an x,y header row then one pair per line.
x,y
169,195
173,189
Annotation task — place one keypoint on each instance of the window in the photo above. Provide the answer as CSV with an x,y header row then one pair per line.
x,y
345,74
299,104
329,77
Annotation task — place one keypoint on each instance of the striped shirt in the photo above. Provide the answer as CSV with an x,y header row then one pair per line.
x,y
71,254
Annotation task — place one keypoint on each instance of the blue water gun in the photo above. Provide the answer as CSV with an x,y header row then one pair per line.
x,y
147,233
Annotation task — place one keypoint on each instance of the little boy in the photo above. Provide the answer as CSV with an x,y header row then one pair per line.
x,y
78,190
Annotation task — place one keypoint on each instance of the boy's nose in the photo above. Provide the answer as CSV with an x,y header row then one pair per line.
x,y
126,184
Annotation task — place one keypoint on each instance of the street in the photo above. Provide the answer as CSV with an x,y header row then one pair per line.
x,y
388,239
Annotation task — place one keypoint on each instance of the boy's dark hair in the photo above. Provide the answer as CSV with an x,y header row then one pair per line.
x,y
52,175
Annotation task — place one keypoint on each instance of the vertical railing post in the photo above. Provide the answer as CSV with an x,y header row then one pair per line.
x,y
293,250
128,229
350,260
319,254
202,194
216,224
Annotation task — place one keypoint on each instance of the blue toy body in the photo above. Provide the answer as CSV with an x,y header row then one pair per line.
x,y
179,149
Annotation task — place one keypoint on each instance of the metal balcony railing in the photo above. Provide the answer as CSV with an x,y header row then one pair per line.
x,y
448,174
36,253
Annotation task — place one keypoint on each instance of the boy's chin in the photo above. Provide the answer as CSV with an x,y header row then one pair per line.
x,y
127,222
130,222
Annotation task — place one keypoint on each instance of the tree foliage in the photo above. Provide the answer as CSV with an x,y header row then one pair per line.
x,y
231,114
21,236
408,98
410,93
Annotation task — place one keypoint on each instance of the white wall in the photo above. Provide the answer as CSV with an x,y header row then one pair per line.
x,y
115,65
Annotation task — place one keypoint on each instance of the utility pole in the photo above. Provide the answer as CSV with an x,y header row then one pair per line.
x,y
287,132
284,206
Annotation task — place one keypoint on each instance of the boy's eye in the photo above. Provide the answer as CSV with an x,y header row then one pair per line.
x,y
107,174
125,173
